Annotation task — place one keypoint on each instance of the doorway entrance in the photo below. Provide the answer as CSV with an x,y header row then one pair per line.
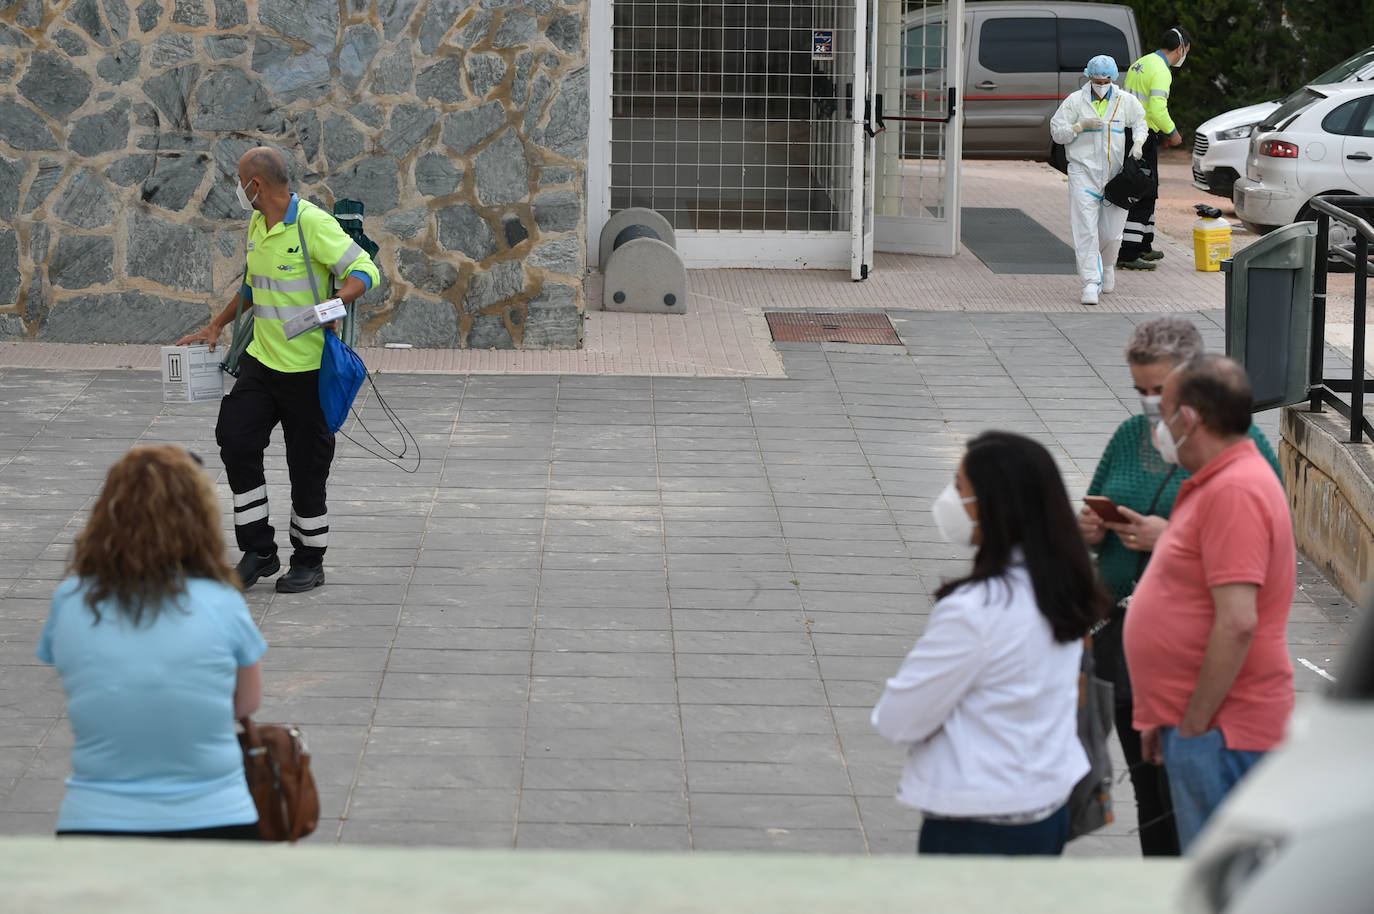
x,y
755,129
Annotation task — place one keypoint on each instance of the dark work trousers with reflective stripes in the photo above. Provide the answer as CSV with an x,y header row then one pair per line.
x,y
261,398
1138,236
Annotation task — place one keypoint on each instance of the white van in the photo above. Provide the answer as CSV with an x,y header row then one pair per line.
x,y
1020,60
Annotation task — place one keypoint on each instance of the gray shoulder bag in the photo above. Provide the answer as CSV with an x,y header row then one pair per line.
x,y
243,326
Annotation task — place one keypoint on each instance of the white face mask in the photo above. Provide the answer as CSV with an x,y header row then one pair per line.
x,y
1101,91
1164,440
243,196
1180,60
951,519
1150,406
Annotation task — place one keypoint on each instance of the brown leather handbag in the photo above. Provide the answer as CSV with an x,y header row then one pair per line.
x,y
276,762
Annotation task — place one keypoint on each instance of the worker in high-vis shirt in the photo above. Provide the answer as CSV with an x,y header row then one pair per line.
x,y
1149,79
279,378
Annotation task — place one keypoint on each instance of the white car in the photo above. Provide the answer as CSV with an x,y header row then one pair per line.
x,y
1319,141
1295,833
1221,144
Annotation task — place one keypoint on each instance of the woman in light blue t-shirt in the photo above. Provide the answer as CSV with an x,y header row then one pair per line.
x,y
158,656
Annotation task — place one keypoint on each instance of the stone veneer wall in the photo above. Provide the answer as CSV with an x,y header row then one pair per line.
x,y
460,124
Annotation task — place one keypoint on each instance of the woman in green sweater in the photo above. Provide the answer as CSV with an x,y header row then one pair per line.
x,y
1134,476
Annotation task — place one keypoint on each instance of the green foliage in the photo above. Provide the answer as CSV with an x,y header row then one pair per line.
x,y
1247,51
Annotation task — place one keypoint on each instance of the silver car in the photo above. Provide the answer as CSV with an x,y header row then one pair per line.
x,y
1221,144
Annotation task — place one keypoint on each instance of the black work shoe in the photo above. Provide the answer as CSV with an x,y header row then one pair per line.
x,y
1152,255
255,565
301,578
1137,264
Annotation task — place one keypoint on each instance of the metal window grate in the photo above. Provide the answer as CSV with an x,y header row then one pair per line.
x,y
832,327
723,119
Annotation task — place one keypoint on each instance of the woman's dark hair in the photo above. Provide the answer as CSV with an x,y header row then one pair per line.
x,y
1022,502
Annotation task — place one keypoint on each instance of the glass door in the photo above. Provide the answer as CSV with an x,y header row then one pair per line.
x,y
914,79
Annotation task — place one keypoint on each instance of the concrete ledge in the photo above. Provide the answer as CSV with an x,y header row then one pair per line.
x,y
102,876
1330,486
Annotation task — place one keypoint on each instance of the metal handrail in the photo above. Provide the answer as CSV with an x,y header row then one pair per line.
x,y
1325,390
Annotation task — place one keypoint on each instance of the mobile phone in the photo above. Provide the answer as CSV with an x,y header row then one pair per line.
x,y
1105,508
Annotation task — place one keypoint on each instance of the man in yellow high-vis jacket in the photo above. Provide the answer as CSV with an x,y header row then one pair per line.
x,y
279,378
1149,80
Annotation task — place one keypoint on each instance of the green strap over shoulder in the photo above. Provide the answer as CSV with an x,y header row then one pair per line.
x,y
349,328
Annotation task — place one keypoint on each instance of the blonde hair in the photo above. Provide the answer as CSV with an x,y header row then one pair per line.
x,y
155,524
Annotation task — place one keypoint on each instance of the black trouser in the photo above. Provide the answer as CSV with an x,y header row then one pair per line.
x,y
1139,234
261,398
1154,807
966,836
218,833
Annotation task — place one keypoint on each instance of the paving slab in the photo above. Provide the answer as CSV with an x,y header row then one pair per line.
x,y
608,612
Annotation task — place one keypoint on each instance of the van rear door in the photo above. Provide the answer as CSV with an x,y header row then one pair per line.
x,y
1012,88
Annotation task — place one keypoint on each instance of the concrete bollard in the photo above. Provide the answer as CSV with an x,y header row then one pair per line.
x,y
642,268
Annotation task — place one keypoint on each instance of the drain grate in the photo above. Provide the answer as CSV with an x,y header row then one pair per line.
x,y
832,327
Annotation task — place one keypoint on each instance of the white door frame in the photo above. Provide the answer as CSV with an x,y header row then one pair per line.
x,y
862,228
599,40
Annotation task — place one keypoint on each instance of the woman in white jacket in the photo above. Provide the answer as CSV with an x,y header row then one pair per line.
x,y
1091,125
987,701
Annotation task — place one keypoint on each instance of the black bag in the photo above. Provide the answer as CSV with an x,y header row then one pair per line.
x,y
1090,803
1135,181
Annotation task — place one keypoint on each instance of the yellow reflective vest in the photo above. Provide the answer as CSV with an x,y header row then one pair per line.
x,y
1149,79
277,285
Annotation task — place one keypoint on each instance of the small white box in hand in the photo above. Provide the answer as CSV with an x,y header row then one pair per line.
x,y
310,318
191,374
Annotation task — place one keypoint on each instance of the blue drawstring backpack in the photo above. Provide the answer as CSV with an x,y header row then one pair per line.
x,y
341,370
341,376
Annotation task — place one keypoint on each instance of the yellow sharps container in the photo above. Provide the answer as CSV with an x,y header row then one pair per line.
x,y
1211,239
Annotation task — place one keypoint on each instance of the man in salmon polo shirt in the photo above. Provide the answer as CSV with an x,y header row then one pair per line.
x,y
1205,636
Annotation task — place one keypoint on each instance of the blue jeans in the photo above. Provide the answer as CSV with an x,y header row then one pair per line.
x,y
1201,773
964,836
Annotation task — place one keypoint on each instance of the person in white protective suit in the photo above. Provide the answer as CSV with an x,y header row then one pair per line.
x,y
1091,125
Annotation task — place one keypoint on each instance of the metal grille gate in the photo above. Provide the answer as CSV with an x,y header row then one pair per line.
x,y
726,116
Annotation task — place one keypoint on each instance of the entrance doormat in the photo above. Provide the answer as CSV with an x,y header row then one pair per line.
x,y
1009,241
832,327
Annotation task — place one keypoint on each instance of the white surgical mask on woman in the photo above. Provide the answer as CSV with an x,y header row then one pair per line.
x,y
1150,406
951,519
1168,447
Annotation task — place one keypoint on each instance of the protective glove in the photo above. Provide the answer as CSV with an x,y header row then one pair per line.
x,y
1088,123
1138,149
